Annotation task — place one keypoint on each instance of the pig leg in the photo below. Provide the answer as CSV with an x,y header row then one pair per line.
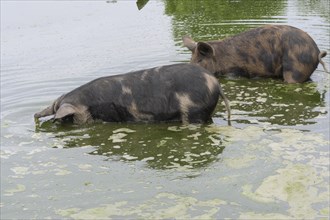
x,y
295,71
290,77
295,76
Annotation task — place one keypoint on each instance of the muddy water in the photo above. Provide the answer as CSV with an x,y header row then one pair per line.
x,y
273,162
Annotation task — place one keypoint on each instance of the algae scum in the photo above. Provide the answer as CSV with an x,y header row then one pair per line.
x,y
191,172
272,163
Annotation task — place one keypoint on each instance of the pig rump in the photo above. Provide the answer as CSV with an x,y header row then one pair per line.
x,y
180,92
277,51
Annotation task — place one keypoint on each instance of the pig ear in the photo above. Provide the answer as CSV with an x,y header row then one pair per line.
x,y
46,112
65,110
205,49
189,43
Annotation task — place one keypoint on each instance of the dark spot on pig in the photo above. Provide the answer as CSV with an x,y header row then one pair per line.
x,y
298,76
293,39
271,42
267,60
254,60
111,112
263,31
268,63
276,60
243,55
237,71
195,116
305,58
279,71
287,61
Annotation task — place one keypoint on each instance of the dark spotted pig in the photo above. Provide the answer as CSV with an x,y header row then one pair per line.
x,y
180,92
277,51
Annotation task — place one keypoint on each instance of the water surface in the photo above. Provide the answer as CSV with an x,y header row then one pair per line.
x,y
273,162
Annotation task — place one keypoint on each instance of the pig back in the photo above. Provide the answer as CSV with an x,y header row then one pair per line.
x,y
166,93
266,52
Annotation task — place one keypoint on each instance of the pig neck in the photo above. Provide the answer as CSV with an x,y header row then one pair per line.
x,y
225,54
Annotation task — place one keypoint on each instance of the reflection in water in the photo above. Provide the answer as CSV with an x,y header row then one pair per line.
x,y
274,102
161,146
141,3
214,19
312,7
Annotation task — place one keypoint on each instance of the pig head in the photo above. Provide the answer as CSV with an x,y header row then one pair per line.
x,y
180,92
277,51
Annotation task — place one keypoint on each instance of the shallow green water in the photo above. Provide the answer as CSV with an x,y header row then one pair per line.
x,y
273,162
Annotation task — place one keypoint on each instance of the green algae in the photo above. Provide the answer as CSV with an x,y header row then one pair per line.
x,y
263,216
162,206
19,188
297,184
